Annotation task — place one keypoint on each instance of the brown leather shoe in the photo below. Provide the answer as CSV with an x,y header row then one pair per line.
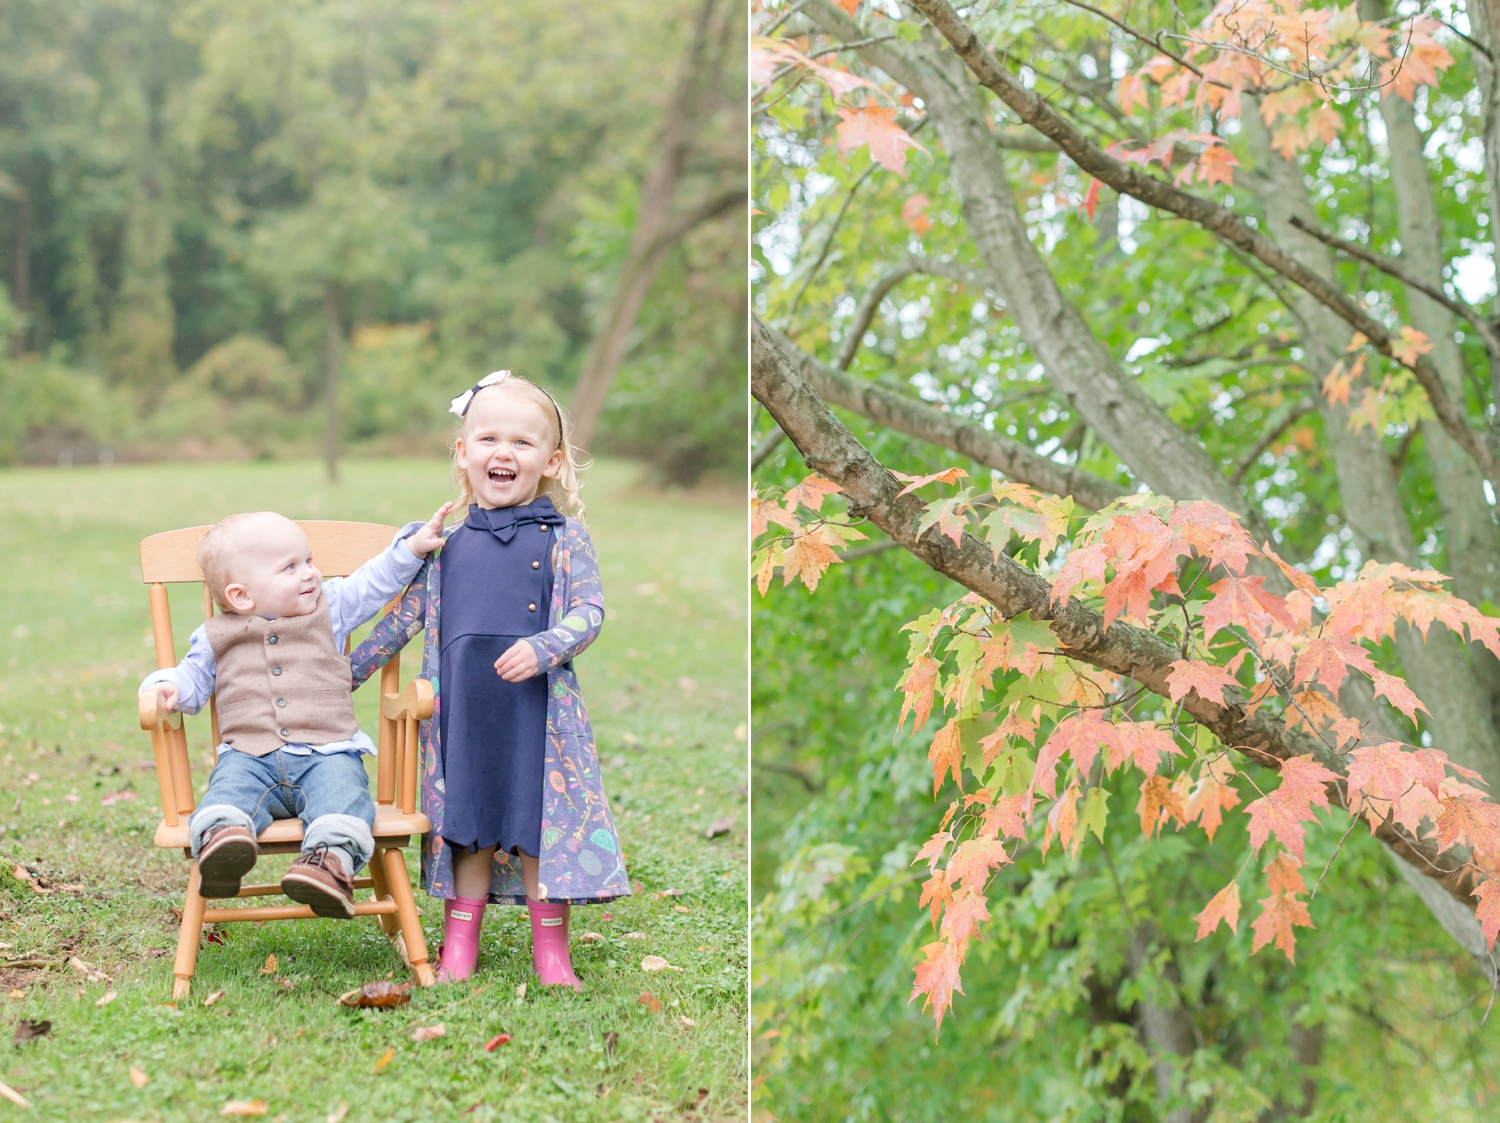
x,y
318,879
227,854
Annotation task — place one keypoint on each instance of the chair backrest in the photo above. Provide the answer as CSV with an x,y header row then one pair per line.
x,y
338,549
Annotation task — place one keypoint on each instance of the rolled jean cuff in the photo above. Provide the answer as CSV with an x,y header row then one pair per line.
x,y
214,815
348,833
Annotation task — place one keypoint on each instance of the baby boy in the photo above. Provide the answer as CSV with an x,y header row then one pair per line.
x,y
290,746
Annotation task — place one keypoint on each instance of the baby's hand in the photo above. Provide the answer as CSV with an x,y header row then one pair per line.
x,y
164,691
430,537
519,662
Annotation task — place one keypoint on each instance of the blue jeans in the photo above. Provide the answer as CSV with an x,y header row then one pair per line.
x,y
329,792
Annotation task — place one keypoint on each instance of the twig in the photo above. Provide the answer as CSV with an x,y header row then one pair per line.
x,y
765,446
790,12
1353,822
1305,406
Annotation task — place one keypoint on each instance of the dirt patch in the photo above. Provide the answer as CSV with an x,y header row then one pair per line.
x,y
19,978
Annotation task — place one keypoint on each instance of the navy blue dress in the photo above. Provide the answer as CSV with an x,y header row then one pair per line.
x,y
496,588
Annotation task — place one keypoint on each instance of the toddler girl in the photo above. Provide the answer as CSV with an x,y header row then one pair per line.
x,y
510,774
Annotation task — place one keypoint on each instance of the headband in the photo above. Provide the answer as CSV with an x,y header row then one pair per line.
x,y
460,405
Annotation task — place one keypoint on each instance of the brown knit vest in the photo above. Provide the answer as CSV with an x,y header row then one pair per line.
x,y
281,681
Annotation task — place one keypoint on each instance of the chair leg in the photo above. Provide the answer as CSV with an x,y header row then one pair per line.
x,y
388,922
188,937
411,921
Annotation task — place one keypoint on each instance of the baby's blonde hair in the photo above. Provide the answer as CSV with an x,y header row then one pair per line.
x,y
562,488
216,552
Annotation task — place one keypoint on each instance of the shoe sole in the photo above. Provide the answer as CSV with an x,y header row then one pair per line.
x,y
220,871
317,897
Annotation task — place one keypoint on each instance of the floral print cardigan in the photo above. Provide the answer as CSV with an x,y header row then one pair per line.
x,y
580,862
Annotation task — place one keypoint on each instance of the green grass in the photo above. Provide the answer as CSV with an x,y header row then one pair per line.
x,y
665,685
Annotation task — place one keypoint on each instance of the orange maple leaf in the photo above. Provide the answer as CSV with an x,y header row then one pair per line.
x,y
935,892
1224,906
1207,679
808,558
962,919
1062,820
918,685
972,862
946,753
1005,817
1157,804
1208,801
937,977
1280,913
876,126
764,512
1216,164
913,213
1395,691
1488,910
1470,819
811,492
946,476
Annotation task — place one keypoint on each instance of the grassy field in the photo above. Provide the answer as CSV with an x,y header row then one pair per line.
x,y
665,685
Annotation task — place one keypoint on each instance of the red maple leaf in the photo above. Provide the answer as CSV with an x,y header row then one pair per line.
x,y
1208,801
1005,817
1157,804
918,685
876,126
811,492
932,850
1328,658
961,921
935,892
1469,818
946,476
1207,679
1279,915
1395,691
1143,742
913,213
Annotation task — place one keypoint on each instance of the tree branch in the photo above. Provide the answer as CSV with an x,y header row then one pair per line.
x,y
871,492
1393,268
1226,224
1299,408
870,303
916,419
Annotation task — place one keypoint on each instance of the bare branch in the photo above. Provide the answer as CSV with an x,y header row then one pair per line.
x,y
870,303
916,419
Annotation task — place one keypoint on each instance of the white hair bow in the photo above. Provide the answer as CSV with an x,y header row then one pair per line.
x,y
460,404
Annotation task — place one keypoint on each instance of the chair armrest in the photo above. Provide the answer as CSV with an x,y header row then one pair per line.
x,y
415,700
155,715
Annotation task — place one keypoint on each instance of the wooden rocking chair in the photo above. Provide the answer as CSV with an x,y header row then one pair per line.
x,y
340,548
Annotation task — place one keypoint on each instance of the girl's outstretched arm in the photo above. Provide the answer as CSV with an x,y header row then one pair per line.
x,y
394,630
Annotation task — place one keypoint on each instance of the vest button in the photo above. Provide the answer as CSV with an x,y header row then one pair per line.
x,y
271,638
536,565
276,670
286,732
281,701
542,527
531,607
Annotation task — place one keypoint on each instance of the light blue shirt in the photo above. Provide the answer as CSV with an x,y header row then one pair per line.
x,y
352,600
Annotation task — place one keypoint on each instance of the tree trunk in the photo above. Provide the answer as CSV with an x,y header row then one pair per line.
x,y
333,339
655,231
1437,669
20,283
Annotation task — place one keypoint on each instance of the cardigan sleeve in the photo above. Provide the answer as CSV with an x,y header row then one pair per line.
x,y
583,614
395,629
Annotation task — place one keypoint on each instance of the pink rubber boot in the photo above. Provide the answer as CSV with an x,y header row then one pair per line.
x,y
549,944
462,917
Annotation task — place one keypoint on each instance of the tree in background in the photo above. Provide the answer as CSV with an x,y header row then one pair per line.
x,y
337,181
1234,255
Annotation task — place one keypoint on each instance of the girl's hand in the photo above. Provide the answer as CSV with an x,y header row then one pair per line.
x,y
430,537
519,662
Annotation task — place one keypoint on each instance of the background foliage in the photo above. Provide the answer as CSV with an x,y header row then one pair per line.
x,y
187,187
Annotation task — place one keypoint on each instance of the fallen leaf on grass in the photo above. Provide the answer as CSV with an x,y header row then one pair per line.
x,y
269,968
106,998
606,917
244,1107
611,1039
657,963
633,936
287,984
649,1001
385,1058
87,970
216,996
681,908
138,1078
27,1030
495,1042
521,991
719,826
13,1096
590,938
670,893
427,1033
18,993
378,994
117,797
337,1114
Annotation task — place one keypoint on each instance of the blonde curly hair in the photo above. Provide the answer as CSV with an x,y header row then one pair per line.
x,y
562,488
